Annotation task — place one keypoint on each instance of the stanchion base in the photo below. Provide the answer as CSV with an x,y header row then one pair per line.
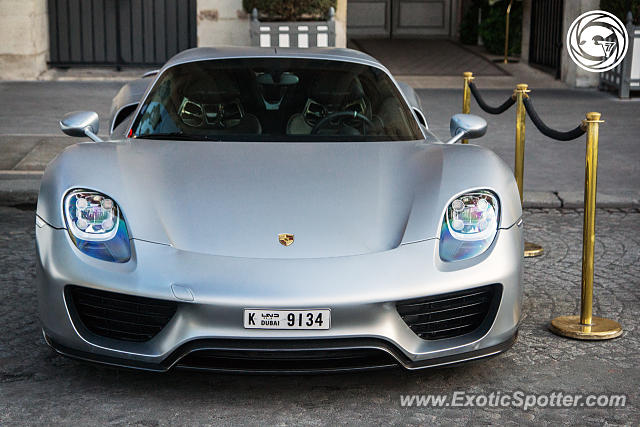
x,y
532,249
600,329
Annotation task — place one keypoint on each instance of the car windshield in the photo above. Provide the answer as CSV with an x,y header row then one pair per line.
x,y
275,99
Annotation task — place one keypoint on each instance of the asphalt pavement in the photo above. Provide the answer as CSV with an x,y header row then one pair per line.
x,y
554,171
34,107
39,387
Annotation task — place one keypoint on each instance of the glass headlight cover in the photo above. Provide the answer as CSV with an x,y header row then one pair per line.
x,y
469,225
96,225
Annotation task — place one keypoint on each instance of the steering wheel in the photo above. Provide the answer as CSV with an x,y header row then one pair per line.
x,y
341,115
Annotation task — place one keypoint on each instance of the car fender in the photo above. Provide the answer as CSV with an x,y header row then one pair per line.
x,y
451,170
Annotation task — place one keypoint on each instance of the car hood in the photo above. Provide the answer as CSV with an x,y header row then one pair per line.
x,y
235,198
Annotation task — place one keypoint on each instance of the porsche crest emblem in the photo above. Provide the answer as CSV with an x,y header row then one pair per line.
x,y
285,239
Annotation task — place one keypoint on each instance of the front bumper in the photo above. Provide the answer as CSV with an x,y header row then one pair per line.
x,y
361,292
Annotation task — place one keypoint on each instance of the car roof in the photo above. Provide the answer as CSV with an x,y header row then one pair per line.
x,y
209,53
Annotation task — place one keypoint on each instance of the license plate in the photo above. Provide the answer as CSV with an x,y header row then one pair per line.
x,y
287,319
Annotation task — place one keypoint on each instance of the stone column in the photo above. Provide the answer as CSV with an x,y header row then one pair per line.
x,y
222,23
24,39
572,74
341,23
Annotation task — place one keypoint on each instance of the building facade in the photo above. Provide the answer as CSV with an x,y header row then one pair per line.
x,y
41,33
36,34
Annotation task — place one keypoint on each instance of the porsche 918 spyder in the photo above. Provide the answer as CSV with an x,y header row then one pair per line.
x,y
276,210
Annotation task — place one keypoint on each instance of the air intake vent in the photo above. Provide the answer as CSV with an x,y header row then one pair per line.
x,y
119,316
453,314
287,361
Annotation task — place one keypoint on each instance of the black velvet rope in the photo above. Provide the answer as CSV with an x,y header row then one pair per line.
x,y
546,130
489,109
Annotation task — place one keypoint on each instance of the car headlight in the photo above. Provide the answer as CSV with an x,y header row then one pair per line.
x,y
96,225
469,226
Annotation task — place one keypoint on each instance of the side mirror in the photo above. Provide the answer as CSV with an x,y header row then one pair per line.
x,y
81,123
466,126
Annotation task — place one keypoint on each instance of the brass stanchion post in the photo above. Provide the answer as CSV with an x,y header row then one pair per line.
x,y
520,93
466,96
506,59
586,326
506,35
530,249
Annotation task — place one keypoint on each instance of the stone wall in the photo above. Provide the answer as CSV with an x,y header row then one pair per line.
x,y
24,39
222,22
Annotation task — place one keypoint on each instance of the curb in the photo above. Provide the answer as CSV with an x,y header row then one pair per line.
x,y
21,187
94,74
18,187
575,199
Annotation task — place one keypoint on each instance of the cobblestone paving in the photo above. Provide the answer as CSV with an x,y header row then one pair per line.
x,y
40,387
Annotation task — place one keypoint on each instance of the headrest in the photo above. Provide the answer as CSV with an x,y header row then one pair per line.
x,y
336,88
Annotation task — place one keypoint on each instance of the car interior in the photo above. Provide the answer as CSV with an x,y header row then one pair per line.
x,y
275,99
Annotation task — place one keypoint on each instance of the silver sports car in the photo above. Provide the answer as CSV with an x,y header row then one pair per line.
x,y
276,210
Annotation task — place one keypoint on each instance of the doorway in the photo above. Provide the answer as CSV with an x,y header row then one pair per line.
x,y
399,18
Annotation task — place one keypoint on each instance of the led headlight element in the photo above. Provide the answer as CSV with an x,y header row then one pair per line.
x,y
96,226
469,225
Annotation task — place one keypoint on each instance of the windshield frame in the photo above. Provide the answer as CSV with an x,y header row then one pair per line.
x,y
306,56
